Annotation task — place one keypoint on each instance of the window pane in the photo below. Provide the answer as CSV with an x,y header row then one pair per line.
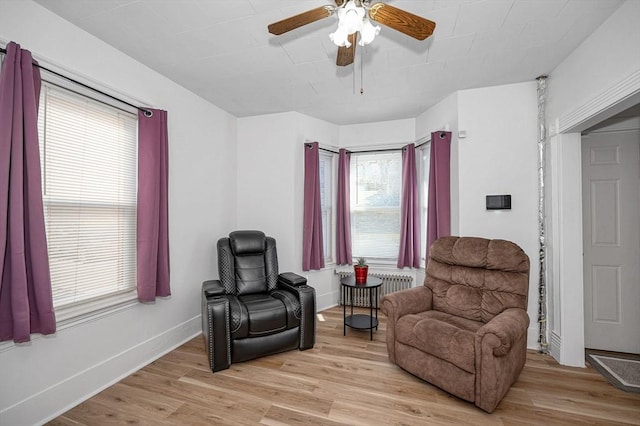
x,y
425,161
376,185
88,157
326,196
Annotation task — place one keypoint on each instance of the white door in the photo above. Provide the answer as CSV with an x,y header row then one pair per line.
x,y
611,214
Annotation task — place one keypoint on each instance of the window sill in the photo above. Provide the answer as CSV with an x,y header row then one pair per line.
x,y
68,316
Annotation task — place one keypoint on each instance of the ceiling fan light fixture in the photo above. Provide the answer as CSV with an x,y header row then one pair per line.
x,y
368,32
340,37
358,16
350,17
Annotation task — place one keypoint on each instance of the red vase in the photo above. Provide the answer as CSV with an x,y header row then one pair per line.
x,y
361,274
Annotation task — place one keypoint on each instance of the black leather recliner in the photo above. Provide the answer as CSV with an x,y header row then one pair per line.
x,y
252,310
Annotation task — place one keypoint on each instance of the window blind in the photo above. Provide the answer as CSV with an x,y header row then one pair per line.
x,y
88,155
376,186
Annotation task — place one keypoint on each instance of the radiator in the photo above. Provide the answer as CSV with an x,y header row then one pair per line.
x,y
390,283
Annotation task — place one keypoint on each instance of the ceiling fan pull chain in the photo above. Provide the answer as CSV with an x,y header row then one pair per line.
x,y
362,71
353,73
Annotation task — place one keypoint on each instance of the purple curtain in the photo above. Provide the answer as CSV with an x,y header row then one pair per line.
x,y
439,207
409,254
26,304
153,223
343,210
312,255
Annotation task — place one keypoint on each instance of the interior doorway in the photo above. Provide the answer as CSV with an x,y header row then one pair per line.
x,y
611,233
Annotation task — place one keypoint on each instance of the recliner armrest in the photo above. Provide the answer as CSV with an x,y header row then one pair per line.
x,y
216,331
409,301
504,330
213,288
400,303
306,294
292,279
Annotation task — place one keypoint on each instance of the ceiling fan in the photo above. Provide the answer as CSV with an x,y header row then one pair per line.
x,y
354,18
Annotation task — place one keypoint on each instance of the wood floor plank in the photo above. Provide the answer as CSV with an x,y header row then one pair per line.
x,y
168,368
63,421
280,416
269,391
189,414
138,402
92,412
342,380
196,393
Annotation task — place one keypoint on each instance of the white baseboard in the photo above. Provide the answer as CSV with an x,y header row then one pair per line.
x,y
326,301
59,398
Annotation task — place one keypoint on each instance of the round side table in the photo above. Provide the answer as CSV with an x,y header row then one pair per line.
x,y
360,321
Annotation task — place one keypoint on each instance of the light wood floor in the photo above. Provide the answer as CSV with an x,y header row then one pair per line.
x,y
342,380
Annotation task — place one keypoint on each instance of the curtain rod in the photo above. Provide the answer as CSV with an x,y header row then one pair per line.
x,y
146,111
308,145
366,151
325,149
442,135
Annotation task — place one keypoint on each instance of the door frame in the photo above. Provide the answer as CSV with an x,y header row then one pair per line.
x,y
566,289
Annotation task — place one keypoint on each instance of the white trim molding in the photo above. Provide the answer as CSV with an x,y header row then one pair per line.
x,y
625,89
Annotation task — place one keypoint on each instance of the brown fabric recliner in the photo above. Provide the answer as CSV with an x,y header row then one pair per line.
x,y
465,329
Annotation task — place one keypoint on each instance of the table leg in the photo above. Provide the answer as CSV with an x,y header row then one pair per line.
x,y
344,309
377,307
351,300
371,313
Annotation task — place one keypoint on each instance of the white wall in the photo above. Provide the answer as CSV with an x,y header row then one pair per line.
x,y
270,180
268,156
497,156
603,71
500,156
393,133
600,78
45,377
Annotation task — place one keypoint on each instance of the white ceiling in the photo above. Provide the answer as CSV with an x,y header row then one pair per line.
x,y
221,50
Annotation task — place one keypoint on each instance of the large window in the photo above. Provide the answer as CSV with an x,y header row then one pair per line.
x,y
88,155
326,203
376,186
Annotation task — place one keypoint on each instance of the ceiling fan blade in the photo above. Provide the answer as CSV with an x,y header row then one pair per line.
x,y
346,54
301,19
403,21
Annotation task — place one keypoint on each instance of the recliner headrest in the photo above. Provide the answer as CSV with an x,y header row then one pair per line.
x,y
247,242
477,252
